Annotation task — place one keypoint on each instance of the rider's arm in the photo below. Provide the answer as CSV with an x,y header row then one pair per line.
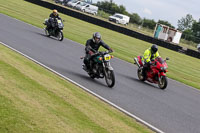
x,y
102,43
59,17
147,56
51,15
157,55
88,46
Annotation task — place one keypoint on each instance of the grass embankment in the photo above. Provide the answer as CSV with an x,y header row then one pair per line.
x,y
32,99
181,67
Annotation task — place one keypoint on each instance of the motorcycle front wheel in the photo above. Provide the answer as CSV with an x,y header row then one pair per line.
x,y
163,82
110,78
60,36
140,74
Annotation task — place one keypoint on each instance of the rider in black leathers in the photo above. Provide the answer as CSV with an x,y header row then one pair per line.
x,y
92,46
52,18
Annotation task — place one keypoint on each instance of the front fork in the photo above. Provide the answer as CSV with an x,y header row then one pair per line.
x,y
106,67
160,75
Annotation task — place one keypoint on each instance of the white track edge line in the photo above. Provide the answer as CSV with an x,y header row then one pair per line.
x,y
87,90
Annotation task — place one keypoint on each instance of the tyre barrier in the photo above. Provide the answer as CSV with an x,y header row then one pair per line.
x,y
193,53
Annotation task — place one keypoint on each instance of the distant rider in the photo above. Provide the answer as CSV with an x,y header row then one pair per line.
x,y
52,18
149,55
92,46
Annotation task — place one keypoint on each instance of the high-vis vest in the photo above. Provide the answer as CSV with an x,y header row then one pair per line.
x,y
147,55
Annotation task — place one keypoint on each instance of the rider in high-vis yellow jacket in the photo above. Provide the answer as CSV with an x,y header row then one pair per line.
x,y
149,54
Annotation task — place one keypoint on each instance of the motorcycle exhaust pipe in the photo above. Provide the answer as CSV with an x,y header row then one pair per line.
x,y
136,62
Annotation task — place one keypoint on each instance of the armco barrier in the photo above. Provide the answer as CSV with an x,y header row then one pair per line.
x,y
111,26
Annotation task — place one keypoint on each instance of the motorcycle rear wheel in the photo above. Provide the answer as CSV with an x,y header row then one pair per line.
x,y
110,78
163,82
46,32
92,76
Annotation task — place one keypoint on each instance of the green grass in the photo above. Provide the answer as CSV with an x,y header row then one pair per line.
x,y
32,99
181,67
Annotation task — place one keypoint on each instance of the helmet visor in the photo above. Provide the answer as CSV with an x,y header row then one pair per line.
x,y
97,40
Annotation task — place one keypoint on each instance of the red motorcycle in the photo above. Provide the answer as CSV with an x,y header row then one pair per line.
x,y
156,73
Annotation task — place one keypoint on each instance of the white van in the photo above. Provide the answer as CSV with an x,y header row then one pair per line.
x,y
91,9
73,3
119,19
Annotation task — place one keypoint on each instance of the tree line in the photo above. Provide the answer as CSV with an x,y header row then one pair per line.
x,y
111,8
189,26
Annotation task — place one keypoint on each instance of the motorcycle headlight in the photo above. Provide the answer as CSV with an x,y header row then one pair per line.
x,y
163,68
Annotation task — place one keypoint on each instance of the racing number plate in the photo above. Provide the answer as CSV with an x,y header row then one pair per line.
x,y
59,21
107,57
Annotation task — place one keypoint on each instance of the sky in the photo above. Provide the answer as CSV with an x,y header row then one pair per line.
x,y
168,10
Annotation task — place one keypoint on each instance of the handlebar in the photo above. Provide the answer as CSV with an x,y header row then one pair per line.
x,y
103,52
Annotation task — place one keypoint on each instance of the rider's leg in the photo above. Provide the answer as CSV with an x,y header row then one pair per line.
x,y
86,61
146,67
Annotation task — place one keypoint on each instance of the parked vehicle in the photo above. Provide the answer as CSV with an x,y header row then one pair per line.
x,y
156,73
198,47
56,30
119,19
100,67
91,9
81,6
59,1
65,2
73,3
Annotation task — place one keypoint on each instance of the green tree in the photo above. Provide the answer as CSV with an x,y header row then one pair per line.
x,y
188,35
196,31
135,18
165,23
185,22
111,7
149,23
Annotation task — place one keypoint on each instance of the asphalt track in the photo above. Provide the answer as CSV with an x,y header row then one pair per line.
x,y
174,110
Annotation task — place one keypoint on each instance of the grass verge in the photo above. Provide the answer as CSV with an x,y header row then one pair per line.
x,y
32,99
181,67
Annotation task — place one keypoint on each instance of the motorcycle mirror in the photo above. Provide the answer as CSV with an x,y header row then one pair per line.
x,y
167,58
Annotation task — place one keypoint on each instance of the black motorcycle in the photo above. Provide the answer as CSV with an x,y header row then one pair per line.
x,y
56,28
100,67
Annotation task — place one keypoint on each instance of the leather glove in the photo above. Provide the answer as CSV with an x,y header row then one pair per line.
x,y
90,52
110,50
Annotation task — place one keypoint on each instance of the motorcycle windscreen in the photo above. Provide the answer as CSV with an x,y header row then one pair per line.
x,y
60,24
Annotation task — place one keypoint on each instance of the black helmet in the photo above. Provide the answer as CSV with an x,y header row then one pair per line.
x,y
96,36
154,48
